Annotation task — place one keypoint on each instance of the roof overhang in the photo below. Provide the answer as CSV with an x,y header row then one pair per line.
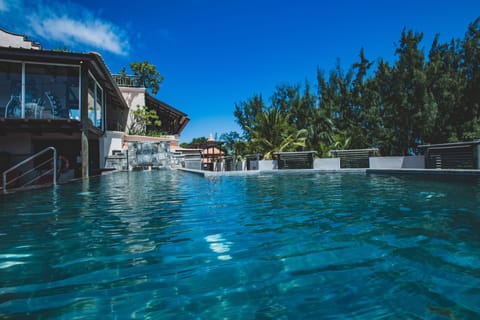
x,y
177,120
92,60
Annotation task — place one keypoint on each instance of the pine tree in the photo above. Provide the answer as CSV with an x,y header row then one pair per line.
x,y
410,109
447,85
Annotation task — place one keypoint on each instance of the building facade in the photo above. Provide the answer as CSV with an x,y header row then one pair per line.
x,y
65,100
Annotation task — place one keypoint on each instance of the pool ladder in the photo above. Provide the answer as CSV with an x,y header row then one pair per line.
x,y
34,173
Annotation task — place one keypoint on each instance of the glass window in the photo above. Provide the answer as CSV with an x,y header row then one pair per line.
x,y
95,102
99,109
10,90
51,91
91,99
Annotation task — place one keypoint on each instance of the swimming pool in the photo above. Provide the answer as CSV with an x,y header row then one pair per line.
x,y
172,245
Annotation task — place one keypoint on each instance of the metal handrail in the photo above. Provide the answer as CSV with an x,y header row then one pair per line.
x,y
6,172
125,80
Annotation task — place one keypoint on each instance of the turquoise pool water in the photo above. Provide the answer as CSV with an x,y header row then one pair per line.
x,y
172,245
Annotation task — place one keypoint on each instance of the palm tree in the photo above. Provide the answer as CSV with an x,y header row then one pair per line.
x,y
294,141
320,131
272,133
341,140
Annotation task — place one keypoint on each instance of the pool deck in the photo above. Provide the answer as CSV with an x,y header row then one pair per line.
x,y
441,172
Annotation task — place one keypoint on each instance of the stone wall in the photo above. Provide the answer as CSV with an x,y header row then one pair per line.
x,y
148,154
141,155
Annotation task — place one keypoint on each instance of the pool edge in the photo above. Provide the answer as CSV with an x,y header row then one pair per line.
x,y
444,172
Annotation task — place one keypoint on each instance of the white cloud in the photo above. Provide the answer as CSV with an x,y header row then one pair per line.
x,y
64,24
6,6
98,34
3,6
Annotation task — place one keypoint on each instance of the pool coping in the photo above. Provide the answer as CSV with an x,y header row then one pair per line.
x,y
259,172
443,172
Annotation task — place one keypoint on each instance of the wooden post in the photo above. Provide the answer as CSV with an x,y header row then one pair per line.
x,y
85,158
84,120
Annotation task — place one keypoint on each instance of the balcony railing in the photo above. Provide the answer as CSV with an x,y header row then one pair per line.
x,y
124,80
47,106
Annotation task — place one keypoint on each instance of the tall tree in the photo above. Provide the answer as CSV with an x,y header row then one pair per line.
x,y
273,133
359,103
304,108
246,113
410,106
400,105
320,132
339,84
230,140
286,99
147,75
381,112
447,85
373,122
471,68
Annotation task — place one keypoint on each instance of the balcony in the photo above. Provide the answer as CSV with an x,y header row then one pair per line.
x,y
124,80
47,106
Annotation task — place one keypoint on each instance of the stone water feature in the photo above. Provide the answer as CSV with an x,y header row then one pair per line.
x,y
142,156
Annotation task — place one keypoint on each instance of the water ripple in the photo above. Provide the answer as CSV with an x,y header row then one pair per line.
x,y
170,245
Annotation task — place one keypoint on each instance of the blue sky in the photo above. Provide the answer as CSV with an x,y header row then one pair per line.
x,y
215,53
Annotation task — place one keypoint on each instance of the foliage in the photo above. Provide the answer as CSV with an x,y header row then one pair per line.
x,y
246,113
193,142
272,133
231,142
394,106
446,84
407,102
123,78
147,75
198,140
144,122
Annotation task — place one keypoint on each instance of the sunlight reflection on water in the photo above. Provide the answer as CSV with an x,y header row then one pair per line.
x,y
170,245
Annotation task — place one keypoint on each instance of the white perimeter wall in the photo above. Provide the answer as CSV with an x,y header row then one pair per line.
x,y
326,164
412,162
111,140
135,98
319,164
267,165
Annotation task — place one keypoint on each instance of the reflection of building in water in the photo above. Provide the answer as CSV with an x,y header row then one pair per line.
x,y
143,218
